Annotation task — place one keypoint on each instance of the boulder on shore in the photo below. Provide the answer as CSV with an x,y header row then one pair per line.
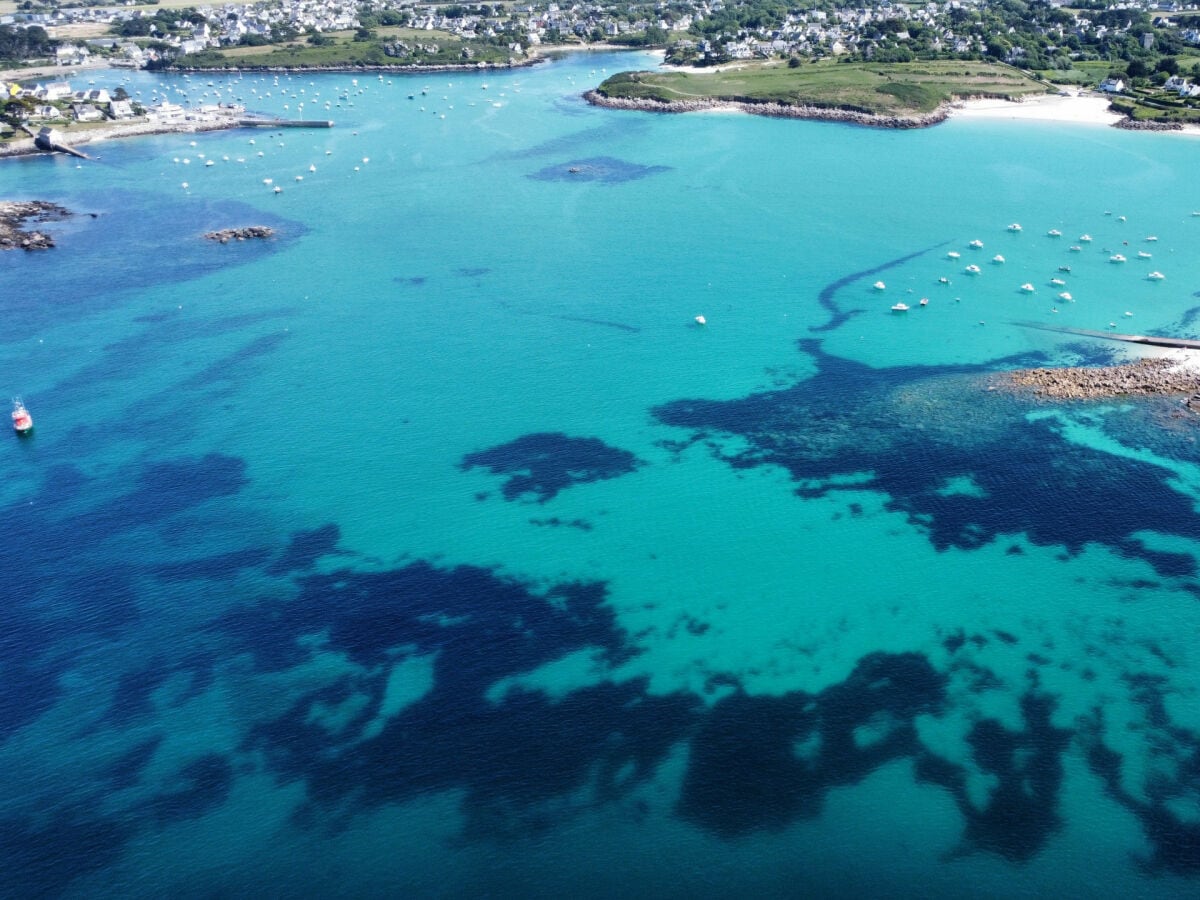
x,y
1158,376
15,213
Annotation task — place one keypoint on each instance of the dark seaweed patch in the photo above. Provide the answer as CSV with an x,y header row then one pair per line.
x,y
604,169
201,786
509,754
828,296
42,855
1176,777
545,463
762,762
410,281
473,272
1022,811
849,418
126,770
221,565
305,548
132,696
619,326
168,488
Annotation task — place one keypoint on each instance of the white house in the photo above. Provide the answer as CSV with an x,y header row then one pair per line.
x,y
85,112
56,90
1112,85
120,109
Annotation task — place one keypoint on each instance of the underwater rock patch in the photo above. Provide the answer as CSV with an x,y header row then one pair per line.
x,y
545,463
604,169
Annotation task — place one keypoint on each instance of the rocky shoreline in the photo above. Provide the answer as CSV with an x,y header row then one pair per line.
x,y
1131,124
249,232
1153,377
14,214
776,110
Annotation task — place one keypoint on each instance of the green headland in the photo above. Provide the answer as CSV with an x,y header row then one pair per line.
x,y
873,89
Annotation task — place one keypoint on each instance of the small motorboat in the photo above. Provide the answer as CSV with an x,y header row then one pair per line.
x,y
1064,268
924,301
1054,232
1076,248
943,280
1116,258
700,320
1027,288
1156,276
1085,238
1057,282
1065,296
900,307
21,419
953,254
997,258
879,286
973,269
1015,226
1142,254
976,244
1152,237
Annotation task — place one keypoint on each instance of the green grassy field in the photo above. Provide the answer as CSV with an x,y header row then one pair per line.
x,y
345,51
884,89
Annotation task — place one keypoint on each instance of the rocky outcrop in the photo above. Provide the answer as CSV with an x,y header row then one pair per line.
x,y
1148,377
777,110
1147,125
14,214
249,232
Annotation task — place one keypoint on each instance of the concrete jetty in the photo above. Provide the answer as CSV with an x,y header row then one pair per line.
x,y
285,123
1147,339
50,140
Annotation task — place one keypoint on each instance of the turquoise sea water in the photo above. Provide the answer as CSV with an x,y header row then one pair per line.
x,y
432,549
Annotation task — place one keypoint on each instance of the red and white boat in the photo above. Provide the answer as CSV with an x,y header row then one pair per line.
x,y
21,419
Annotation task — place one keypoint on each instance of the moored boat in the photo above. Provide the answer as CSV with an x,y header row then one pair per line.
x,y
900,307
22,421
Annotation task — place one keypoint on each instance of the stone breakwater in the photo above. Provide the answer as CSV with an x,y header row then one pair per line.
x,y
13,216
777,110
249,232
1155,377
27,147
1146,125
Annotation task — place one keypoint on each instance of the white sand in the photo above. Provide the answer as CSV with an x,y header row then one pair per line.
x,y
1082,108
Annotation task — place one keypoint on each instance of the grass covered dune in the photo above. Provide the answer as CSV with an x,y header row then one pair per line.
x,y
895,94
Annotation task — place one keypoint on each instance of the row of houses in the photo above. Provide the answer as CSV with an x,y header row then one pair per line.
x,y
56,101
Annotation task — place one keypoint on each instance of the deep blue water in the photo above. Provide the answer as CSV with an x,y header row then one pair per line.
x,y
431,548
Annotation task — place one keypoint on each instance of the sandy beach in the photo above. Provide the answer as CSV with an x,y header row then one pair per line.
x,y
1082,108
